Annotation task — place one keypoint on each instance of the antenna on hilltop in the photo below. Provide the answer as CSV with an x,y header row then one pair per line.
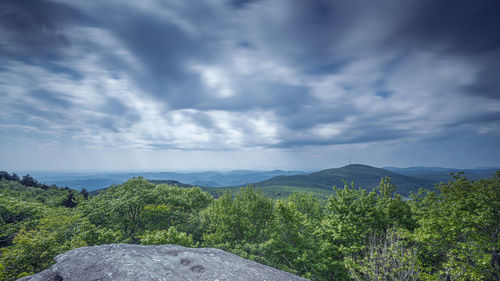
x,y
349,172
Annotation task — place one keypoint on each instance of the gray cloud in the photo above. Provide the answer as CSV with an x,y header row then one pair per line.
x,y
229,75
464,28
29,30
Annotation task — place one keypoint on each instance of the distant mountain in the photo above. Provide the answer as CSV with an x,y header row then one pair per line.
x,y
172,183
236,177
95,181
439,174
420,170
362,175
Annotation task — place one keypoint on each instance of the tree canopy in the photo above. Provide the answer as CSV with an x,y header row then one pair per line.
x,y
447,234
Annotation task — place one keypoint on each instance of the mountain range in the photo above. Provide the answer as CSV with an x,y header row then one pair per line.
x,y
95,181
439,174
405,179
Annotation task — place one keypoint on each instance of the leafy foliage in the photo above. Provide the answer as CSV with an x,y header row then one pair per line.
x,y
292,243
352,234
240,220
386,257
170,236
138,204
276,192
69,201
459,229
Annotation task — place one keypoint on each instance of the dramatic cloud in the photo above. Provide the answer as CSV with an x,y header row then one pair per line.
x,y
273,76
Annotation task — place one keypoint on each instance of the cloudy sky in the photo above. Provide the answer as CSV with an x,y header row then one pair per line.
x,y
269,84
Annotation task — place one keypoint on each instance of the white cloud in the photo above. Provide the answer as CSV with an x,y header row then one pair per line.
x,y
270,74
215,79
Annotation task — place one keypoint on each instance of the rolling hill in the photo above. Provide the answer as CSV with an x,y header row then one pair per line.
x,y
362,175
96,181
439,174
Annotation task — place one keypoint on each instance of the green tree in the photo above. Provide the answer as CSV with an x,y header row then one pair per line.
x,y
307,204
121,207
459,228
84,193
241,224
351,215
170,236
14,214
69,201
28,180
179,207
392,210
292,245
36,244
138,204
386,257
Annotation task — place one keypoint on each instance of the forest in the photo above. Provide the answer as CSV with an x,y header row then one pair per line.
x,y
450,233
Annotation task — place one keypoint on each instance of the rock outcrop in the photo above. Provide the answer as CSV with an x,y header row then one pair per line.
x,y
123,262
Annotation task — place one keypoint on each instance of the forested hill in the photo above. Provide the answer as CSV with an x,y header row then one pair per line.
x,y
172,183
439,174
362,175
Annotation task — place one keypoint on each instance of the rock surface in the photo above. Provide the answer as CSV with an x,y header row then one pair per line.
x,y
123,262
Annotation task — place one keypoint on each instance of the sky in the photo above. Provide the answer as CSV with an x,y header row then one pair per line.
x,y
242,84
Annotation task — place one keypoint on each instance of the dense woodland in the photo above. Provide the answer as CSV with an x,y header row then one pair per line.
x,y
356,234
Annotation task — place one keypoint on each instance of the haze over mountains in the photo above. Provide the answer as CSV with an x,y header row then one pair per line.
x,y
361,175
439,174
406,179
94,181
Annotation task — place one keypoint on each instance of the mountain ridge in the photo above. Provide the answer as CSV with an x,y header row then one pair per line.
x,y
203,179
362,175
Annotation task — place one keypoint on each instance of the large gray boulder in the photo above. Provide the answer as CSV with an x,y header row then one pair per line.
x,y
123,262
